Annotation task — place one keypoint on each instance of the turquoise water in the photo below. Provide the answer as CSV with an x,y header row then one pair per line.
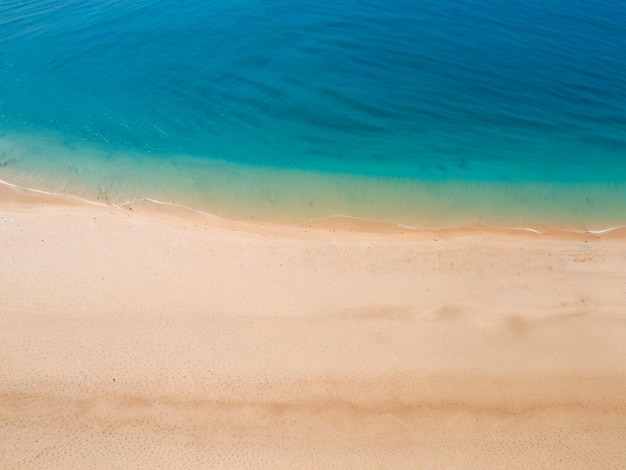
x,y
410,112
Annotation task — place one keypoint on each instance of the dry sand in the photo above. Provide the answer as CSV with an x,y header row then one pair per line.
x,y
156,338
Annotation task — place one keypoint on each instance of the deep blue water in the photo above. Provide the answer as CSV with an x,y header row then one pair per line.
x,y
470,90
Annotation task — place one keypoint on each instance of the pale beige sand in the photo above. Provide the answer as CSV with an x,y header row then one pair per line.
x,y
150,338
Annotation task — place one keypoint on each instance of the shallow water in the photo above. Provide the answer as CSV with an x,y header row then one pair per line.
x,y
409,112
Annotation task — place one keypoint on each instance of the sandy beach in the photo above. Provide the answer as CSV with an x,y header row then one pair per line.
x,y
147,336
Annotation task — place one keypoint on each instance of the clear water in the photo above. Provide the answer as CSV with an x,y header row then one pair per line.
x,y
411,112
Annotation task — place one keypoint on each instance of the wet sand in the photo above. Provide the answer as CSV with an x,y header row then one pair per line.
x,y
152,337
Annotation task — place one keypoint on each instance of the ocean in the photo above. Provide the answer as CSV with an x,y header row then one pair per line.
x,y
419,113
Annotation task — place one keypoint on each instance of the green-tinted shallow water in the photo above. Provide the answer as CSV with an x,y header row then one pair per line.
x,y
244,192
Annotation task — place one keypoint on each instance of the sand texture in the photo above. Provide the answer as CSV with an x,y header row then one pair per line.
x,y
143,337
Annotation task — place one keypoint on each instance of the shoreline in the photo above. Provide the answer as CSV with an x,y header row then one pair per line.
x,y
151,336
12,193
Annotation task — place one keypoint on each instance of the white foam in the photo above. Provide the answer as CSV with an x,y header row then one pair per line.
x,y
48,193
179,206
606,230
